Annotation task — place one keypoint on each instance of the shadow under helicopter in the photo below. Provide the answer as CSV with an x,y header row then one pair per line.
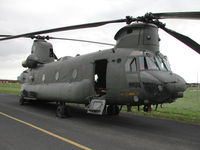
x,y
123,120
126,126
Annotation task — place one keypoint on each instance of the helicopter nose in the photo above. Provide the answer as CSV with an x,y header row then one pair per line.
x,y
168,87
177,87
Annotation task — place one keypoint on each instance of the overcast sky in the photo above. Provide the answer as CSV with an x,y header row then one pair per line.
x,y
22,16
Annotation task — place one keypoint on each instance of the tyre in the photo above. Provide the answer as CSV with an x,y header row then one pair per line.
x,y
21,100
113,110
60,111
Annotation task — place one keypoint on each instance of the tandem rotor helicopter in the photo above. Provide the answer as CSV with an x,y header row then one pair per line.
x,y
133,72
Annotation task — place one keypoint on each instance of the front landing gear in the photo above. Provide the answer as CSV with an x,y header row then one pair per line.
x,y
21,100
113,110
147,108
62,110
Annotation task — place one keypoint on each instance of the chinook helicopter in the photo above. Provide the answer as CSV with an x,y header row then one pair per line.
x,y
132,73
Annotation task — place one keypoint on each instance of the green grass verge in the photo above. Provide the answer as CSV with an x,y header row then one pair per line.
x,y
184,109
10,88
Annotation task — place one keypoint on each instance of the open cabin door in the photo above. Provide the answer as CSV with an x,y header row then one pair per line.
x,y
100,76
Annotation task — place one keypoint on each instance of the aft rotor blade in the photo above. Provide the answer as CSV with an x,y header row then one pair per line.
x,y
73,27
186,40
5,35
78,40
177,15
67,39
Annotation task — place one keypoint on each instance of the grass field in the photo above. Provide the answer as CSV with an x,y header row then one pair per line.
x,y
10,88
184,109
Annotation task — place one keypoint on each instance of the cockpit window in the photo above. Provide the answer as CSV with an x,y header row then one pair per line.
x,y
142,63
147,62
160,64
130,65
166,62
151,64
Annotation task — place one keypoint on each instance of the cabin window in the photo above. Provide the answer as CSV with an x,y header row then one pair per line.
x,y
43,77
57,76
74,74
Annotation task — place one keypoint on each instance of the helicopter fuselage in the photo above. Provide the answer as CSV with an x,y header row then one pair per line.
x,y
133,72
116,75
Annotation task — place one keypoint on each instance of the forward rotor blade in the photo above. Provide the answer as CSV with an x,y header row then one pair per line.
x,y
73,27
78,40
186,40
177,15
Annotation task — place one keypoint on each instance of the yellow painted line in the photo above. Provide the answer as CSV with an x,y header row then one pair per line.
x,y
47,132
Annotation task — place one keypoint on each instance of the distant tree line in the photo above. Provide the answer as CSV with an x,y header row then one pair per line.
x,y
193,84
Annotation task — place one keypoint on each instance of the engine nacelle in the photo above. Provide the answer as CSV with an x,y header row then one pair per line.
x,y
31,61
41,53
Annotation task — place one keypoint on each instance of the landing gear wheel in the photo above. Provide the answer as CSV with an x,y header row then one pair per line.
x,y
21,100
62,111
147,108
117,111
113,110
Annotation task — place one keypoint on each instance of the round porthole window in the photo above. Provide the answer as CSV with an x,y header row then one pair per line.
x,y
57,76
74,74
43,77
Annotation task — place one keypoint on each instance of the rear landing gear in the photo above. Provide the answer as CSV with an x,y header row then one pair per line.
x,y
62,110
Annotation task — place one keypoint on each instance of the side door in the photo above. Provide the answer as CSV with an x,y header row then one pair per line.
x,y
100,75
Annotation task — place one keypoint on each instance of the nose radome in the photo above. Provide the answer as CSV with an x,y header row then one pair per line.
x,y
177,88
171,84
